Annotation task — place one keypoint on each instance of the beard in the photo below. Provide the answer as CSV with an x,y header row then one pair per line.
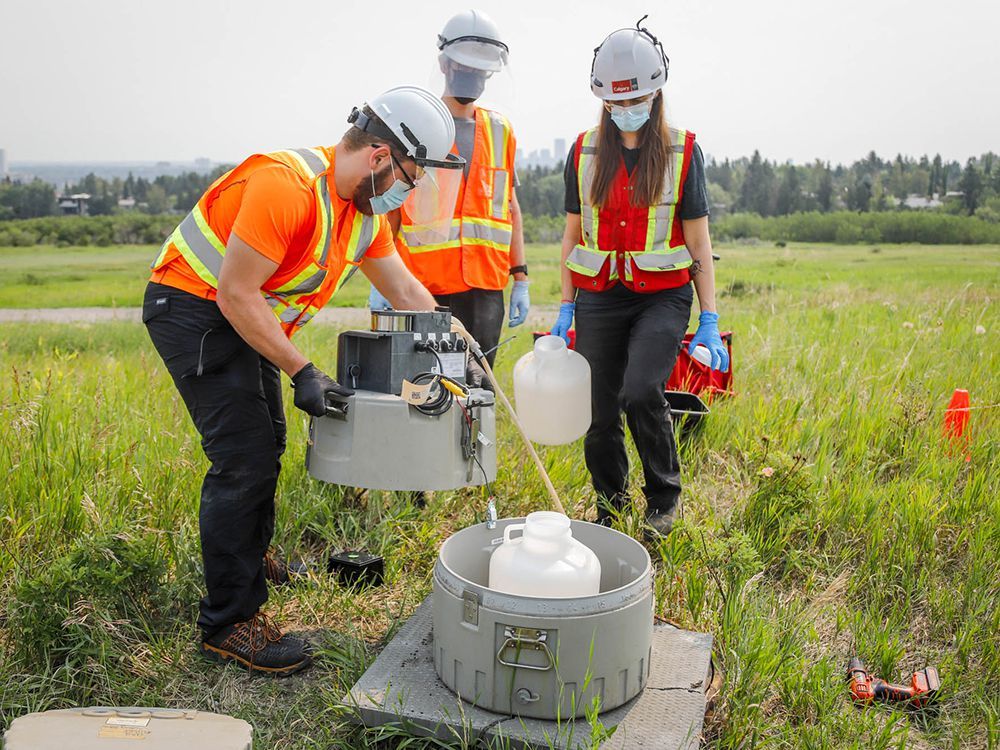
x,y
465,99
363,192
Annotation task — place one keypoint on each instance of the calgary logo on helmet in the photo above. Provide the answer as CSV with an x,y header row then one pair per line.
x,y
624,86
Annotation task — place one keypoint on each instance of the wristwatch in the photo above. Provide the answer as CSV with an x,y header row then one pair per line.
x,y
519,269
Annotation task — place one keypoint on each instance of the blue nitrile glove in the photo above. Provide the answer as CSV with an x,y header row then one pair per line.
x,y
707,335
376,301
520,303
565,321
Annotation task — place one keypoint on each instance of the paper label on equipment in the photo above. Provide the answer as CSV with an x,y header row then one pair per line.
x,y
123,733
485,441
415,394
125,721
454,364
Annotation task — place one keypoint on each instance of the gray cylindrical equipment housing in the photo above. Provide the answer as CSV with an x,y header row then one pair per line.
x,y
539,657
382,443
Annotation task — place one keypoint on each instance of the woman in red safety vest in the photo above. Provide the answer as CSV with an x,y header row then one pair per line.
x,y
636,238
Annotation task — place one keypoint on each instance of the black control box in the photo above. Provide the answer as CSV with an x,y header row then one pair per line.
x,y
400,345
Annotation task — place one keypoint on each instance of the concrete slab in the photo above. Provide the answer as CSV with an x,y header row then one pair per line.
x,y
402,690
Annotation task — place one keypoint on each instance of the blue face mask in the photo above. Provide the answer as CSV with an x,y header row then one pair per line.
x,y
392,198
630,119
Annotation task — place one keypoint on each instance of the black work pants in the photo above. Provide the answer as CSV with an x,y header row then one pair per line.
x,y
481,312
234,398
631,342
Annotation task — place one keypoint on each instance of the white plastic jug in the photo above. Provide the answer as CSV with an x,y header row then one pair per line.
x,y
552,392
545,561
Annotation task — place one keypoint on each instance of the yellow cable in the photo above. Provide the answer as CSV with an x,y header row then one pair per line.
x,y
454,388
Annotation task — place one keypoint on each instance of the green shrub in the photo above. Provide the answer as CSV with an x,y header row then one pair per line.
x,y
94,604
67,231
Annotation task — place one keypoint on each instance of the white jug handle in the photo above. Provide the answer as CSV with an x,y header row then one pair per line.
x,y
509,529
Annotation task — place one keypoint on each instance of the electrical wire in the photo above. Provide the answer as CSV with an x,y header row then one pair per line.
x,y
443,401
448,388
440,402
475,453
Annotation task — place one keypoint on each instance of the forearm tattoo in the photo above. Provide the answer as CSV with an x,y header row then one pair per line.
x,y
695,268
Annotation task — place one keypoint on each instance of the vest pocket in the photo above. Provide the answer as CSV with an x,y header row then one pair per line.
x,y
585,261
677,258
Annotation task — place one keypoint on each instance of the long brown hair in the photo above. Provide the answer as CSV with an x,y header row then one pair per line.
x,y
654,158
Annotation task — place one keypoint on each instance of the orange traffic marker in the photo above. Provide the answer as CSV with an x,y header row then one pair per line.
x,y
956,417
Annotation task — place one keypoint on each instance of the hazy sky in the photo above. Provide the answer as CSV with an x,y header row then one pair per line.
x,y
125,80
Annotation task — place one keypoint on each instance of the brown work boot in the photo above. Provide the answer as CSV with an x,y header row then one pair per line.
x,y
260,646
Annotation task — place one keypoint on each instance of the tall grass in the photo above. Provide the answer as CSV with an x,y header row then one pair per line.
x,y
823,516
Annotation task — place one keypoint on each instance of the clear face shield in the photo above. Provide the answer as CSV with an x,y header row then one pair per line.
x,y
473,69
430,205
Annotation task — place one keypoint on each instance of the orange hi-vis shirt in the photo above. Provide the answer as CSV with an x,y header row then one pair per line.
x,y
272,208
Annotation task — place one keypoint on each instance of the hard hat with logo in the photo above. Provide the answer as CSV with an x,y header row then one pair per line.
x,y
628,64
417,122
471,38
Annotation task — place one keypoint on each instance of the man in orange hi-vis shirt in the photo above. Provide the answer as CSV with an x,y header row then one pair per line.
x,y
263,250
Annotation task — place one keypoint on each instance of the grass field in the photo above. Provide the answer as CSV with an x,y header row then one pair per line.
x,y
49,276
824,515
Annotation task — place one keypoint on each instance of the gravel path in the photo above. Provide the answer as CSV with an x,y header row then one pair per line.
x,y
341,316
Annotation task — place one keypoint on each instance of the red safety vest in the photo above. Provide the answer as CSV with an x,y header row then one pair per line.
x,y
641,246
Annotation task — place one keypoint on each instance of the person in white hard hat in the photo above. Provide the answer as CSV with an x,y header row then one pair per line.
x,y
466,267
636,238
263,250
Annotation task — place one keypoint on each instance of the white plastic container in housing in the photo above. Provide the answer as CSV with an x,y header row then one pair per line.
x,y
552,392
546,561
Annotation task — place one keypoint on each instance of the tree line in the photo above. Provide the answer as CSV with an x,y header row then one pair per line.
x,y
767,188
164,194
750,197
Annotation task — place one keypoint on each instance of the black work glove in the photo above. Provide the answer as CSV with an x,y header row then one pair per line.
x,y
475,376
312,387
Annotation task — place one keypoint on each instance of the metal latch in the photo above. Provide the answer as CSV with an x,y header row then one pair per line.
x,y
470,434
524,695
337,408
521,639
470,607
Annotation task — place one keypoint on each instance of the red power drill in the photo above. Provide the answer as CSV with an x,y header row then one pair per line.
x,y
923,687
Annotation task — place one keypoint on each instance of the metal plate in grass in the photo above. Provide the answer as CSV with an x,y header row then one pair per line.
x,y
401,692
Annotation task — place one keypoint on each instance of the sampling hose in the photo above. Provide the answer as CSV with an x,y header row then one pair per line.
x,y
477,352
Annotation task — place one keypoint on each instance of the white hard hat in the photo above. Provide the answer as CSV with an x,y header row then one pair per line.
x,y
628,64
471,38
417,121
